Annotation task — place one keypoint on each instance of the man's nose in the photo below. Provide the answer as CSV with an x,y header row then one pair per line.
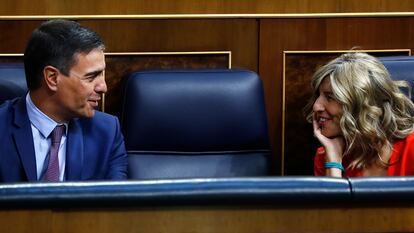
x,y
101,85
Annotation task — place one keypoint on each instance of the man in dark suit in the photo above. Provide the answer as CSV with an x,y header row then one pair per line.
x,y
65,68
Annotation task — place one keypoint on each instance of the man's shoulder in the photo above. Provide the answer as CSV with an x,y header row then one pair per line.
x,y
8,111
99,117
7,105
103,115
8,108
101,125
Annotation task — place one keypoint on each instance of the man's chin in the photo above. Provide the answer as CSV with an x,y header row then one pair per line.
x,y
88,113
91,113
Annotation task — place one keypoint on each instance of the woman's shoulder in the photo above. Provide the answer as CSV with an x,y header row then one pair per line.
x,y
404,144
408,140
410,137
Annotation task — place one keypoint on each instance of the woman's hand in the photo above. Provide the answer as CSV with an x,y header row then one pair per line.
x,y
334,147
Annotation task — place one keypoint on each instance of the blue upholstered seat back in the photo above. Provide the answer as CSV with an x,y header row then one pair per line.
x,y
195,123
400,68
12,81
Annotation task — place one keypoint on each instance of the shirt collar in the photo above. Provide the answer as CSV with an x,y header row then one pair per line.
x,y
39,120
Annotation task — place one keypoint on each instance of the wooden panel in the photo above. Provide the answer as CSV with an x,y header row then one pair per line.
x,y
105,7
210,220
240,36
275,37
15,34
368,33
278,35
375,6
26,221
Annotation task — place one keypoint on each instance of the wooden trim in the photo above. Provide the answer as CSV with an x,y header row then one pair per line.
x,y
210,219
210,16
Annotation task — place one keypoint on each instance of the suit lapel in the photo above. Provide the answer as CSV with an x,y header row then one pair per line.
x,y
22,135
74,151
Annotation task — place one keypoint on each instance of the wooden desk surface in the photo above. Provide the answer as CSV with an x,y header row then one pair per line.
x,y
209,219
240,205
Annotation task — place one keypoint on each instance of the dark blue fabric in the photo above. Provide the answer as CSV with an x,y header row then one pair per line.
x,y
223,164
214,191
269,191
400,68
95,148
389,189
12,81
191,114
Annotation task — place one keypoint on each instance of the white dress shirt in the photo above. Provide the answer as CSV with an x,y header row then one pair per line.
x,y
42,126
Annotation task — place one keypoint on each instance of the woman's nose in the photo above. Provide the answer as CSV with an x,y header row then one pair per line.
x,y
318,105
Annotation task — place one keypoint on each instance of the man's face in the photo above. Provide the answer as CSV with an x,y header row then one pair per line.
x,y
79,92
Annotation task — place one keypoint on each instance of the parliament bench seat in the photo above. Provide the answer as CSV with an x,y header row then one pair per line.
x,y
195,124
12,81
265,191
400,68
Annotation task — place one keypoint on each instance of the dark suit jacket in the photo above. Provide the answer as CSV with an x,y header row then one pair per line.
x,y
95,147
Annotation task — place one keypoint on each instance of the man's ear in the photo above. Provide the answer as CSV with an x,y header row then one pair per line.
x,y
50,76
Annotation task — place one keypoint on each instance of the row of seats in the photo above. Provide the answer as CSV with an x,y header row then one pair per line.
x,y
194,123
269,192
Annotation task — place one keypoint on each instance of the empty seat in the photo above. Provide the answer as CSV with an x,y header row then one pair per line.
x,y
400,68
195,123
12,81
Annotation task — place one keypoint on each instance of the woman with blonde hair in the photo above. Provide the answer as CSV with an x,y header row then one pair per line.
x,y
362,119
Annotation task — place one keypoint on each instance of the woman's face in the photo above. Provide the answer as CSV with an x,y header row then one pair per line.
x,y
328,111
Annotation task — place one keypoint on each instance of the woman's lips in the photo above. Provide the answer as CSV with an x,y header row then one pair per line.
x,y
322,121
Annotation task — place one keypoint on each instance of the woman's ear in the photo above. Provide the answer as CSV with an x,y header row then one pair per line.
x,y
50,76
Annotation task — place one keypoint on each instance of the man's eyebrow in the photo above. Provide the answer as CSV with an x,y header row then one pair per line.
x,y
93,73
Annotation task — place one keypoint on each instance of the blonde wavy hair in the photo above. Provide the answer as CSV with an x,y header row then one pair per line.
x,y
375,111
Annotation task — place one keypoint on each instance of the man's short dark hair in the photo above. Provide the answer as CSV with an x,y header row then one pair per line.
x,y
55,43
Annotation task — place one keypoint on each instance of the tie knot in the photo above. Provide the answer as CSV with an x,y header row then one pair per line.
x,y
57,133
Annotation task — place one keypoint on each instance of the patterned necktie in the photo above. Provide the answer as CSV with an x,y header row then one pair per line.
x,y
52,172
